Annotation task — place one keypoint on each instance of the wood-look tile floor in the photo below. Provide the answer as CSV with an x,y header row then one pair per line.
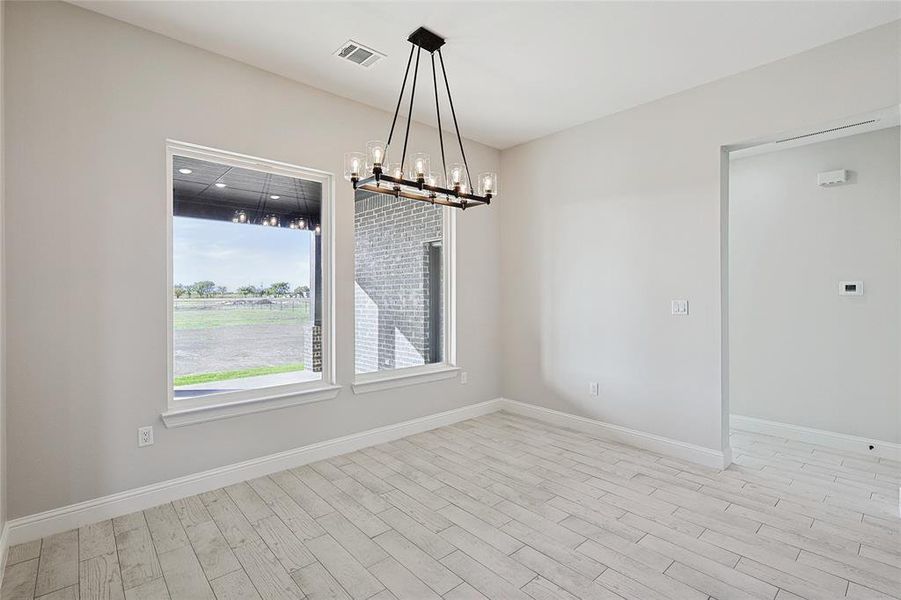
x,y
502,507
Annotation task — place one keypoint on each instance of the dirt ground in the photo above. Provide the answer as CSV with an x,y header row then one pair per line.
x,y
237,347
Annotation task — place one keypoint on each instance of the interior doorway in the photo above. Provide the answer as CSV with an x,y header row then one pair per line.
x,y
812,290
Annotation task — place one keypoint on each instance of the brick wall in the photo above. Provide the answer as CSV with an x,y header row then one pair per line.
x,y
392,289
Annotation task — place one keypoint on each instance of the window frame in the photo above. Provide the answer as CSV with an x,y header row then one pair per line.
x,y
233,403
446,369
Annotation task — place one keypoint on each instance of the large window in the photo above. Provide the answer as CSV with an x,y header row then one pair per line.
x,y
403,278
247,278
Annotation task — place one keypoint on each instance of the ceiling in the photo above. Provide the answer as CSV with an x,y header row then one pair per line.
x,y
210,190
518,71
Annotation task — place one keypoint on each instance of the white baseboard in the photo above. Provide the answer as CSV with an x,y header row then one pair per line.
x,y
4,550
640,439
69,517
830,439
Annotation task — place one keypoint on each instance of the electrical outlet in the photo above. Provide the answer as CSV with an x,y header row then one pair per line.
x,y
145,436
464,377
680,307
593,388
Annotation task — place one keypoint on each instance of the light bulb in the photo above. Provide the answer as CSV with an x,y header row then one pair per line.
x,y
242,216
300,224
456,175
185,171
274,197
353,165
488,184
419,166
318,229
220,184
375,154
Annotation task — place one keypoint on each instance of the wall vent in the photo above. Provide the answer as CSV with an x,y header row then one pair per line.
x,y
358,53
830,130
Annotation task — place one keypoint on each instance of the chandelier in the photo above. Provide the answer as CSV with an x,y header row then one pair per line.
x,y
260,216
451,185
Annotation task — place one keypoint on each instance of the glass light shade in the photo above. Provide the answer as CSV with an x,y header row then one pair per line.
x,y
456,175
354,164
375,154
270,221
488,183
434,179
395,170
240,216
318,229
419,166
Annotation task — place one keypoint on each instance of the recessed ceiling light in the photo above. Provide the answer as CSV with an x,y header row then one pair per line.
x,y
220,185
273,197
185,171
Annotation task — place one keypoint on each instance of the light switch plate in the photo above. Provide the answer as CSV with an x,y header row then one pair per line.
x,y
593,388
680,307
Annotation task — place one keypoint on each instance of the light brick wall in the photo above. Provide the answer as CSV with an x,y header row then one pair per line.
x,y
392,299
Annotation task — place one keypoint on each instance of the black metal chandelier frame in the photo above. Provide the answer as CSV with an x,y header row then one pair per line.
x,y
423,39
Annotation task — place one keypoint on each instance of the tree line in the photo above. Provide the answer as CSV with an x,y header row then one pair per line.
x,y
209,289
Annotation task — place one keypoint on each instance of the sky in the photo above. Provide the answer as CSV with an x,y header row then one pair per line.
x,y
234,255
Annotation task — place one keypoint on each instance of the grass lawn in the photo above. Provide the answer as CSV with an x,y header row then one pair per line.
x,y
209,318
225,375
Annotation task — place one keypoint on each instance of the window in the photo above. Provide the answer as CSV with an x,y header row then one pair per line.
x,y
403,287
249,287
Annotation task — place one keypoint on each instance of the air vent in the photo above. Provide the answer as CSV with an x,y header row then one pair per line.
x,y
358,53
839,128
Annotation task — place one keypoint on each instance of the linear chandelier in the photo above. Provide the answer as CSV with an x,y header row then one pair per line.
x,y
416,180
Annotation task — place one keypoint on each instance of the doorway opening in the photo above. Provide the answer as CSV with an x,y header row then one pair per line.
x,y
811,225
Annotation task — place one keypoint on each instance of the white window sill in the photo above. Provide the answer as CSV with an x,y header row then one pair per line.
x,y
386,380
179,417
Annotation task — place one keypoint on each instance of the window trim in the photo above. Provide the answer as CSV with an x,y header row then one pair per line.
x,y
446,369
228,404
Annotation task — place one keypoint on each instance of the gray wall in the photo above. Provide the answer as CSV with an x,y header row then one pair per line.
x,y
94,101
392,294
607,222
800,353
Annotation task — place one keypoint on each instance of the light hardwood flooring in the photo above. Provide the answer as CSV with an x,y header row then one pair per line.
x,y
502,507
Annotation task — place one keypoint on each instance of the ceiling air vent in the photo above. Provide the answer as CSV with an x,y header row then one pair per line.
x,y
358,53
830,130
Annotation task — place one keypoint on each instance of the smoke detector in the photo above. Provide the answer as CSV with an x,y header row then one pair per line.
x,y
359,54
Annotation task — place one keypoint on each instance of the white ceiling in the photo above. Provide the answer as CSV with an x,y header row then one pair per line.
x,y
518,71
